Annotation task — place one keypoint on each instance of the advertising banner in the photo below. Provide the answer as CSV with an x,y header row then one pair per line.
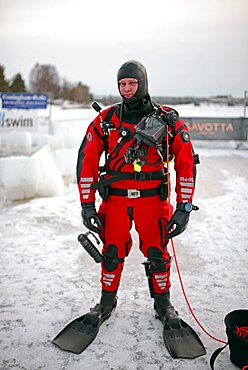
x,y
18,120
23,101
217,128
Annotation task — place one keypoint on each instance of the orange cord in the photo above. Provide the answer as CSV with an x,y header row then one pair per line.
x,y
175,256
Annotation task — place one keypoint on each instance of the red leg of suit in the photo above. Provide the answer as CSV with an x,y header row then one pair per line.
x,y
150,216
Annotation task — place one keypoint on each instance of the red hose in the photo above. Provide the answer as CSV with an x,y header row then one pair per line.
x,y
175,256
187,301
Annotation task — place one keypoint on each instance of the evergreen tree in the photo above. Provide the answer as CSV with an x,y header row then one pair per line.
x,y
17,84
4,86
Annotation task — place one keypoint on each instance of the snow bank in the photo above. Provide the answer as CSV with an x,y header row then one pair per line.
x,y
39,140
15,143
49,179
43,174
40,163
67,160
18,177
27,143
28,177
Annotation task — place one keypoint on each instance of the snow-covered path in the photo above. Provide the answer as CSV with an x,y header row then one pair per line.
x,y
47,279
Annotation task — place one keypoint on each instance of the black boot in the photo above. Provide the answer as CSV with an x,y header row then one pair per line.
x,y
107,303
166,311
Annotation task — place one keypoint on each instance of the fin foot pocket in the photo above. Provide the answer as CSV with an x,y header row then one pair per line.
x,y
182,341
81,332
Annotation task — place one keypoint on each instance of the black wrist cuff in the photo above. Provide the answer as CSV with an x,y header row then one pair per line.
x,y
88,205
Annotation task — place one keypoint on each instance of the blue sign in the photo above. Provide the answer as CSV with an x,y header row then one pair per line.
x,y
24,101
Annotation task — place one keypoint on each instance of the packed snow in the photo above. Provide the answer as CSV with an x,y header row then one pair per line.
x,y
47,279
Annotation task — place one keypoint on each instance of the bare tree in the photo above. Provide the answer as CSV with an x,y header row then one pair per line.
x,y
81,94
65,90
44,78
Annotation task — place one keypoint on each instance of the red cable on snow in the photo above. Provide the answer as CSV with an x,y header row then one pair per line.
x,y
175,256
187,301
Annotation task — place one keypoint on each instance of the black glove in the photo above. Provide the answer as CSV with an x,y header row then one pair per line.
x,y
90,217
180,219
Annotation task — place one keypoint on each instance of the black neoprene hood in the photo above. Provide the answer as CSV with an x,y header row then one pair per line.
x,y
133,69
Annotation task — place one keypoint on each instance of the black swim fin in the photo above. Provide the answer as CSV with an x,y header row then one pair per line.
x,y
180,339
81,332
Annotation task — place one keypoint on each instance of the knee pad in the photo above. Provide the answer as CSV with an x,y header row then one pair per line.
x,y
158,263
110,258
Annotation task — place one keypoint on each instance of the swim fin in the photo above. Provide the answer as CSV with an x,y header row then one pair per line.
x,y
180,339
81,332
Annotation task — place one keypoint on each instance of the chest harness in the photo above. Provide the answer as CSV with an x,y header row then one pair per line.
x,y
150,131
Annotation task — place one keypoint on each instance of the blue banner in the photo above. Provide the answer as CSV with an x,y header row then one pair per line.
x,y
24,101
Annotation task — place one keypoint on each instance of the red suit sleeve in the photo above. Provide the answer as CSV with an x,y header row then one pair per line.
x,y
88,161
182,150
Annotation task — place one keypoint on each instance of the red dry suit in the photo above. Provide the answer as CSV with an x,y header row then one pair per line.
x,y
130,199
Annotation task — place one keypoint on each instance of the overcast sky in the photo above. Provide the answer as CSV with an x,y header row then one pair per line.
x,y
189,47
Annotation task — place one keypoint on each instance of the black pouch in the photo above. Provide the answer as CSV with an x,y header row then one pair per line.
x,y
104,192
163,190
238,344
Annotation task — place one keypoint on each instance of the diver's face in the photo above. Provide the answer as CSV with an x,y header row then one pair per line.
x,y
128,87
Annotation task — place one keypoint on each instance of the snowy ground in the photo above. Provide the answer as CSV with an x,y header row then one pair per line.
x,y
47,279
